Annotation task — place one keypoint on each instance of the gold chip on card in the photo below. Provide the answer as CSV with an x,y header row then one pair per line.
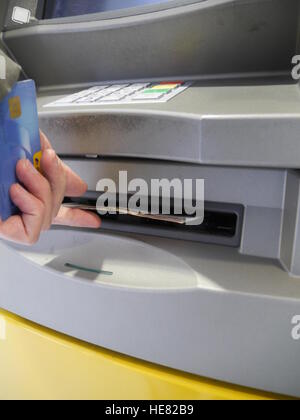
x,y
15,109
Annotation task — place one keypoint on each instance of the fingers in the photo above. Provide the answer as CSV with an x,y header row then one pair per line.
x,y
38,186
77,218
40,196
24,229
45,143
75,186
54,172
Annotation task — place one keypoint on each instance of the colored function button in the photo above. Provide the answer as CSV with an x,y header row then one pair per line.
x,y
149,91
166,86
175,82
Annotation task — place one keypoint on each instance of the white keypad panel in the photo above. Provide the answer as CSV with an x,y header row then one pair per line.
x,y
118,94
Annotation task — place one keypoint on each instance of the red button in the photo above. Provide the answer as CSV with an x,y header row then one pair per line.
x,y
176,82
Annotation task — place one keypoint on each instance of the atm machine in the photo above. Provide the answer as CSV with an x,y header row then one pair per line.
x,y
145,309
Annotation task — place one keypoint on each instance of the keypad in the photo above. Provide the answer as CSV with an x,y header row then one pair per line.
x,y
111,94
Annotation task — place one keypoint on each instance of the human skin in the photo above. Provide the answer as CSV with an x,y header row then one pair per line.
x,y
39,197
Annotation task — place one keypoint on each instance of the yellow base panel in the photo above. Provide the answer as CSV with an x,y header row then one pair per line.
x,y
36,363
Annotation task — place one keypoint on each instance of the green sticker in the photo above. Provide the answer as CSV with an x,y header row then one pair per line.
x,y
88,270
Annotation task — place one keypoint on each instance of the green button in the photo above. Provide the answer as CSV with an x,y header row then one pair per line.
x,y
156,91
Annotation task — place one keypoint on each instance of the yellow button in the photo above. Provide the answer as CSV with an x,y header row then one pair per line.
x,y
169,86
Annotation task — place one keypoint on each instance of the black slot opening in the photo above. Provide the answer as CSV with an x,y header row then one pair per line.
x,y
215,223
222,223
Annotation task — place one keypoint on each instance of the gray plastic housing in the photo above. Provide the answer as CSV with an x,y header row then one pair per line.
x,y
238,152
191,39
253,125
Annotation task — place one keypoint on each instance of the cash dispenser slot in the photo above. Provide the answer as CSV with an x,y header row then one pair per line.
x,y
222,222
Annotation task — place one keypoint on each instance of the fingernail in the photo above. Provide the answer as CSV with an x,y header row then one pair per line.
x,y
15,186
30,167
24,163
57,162
53,156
